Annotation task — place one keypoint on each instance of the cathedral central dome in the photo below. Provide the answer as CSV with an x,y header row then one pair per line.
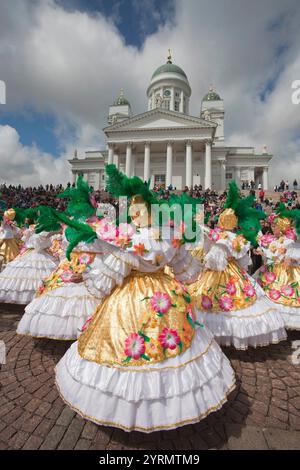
x,y
169,68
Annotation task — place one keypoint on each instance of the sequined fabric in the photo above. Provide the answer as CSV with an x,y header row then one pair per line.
x,y
227,290
146,320
9,249
281,284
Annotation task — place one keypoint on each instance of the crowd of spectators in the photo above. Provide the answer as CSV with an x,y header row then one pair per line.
x,y
18,196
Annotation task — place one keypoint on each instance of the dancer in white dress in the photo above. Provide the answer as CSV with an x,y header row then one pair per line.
x,y
143,363
9,233
63,303
24,275
231,304
280,274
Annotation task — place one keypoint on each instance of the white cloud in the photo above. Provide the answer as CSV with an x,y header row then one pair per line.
x,y
25,164
73,64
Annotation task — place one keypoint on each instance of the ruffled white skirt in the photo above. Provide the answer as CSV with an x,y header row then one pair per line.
x,y
23,276
59,313
260,324
290,315
175,392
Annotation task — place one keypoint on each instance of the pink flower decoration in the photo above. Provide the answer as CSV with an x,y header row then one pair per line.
x,y
106,231
225,303
134,346
274,294
126,230
230,288
249,290
67,276
266,239
291,234
272,217
270,277
287,290
206,302
169,338
160,302
85,258
214,235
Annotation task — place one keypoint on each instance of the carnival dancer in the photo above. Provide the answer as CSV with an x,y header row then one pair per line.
x,y
142,363
63,302
232,305
23,276
280,274
9,233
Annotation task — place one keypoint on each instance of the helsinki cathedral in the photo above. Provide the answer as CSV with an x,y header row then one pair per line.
x,y
168,145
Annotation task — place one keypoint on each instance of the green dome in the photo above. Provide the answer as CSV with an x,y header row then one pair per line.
x,y
121,100
167,68
211,96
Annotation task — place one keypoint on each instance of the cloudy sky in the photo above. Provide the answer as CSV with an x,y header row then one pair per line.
x,y
64,62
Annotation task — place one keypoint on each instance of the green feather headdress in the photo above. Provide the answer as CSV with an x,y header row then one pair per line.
x,y
293,214
79,205
248,217
76,232
118,184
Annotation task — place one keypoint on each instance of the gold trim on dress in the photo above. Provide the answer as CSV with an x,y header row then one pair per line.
x,y
58,338
153,428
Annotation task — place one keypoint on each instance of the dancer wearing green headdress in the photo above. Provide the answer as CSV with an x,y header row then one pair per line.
x,y
280,274
232,306
23,275
63,302
143,363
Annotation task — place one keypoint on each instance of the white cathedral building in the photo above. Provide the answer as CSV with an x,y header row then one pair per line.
x,y
169,146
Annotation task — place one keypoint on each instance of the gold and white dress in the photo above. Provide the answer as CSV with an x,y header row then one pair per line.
x,y
143,363
23,276
281,282
9,247
230,302
61,307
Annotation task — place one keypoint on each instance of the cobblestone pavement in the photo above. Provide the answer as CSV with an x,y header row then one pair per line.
x,y
263,412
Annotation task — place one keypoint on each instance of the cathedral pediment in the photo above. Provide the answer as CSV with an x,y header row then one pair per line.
x,y
160,119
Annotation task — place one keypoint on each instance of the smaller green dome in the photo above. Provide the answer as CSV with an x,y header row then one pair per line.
x,y
121,100
169,68
211,96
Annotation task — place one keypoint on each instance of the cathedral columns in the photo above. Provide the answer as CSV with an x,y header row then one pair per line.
x,y
128,164
116,159
189,164
223,174
169,165
147,161
265,178
110,159
207,179
237,176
